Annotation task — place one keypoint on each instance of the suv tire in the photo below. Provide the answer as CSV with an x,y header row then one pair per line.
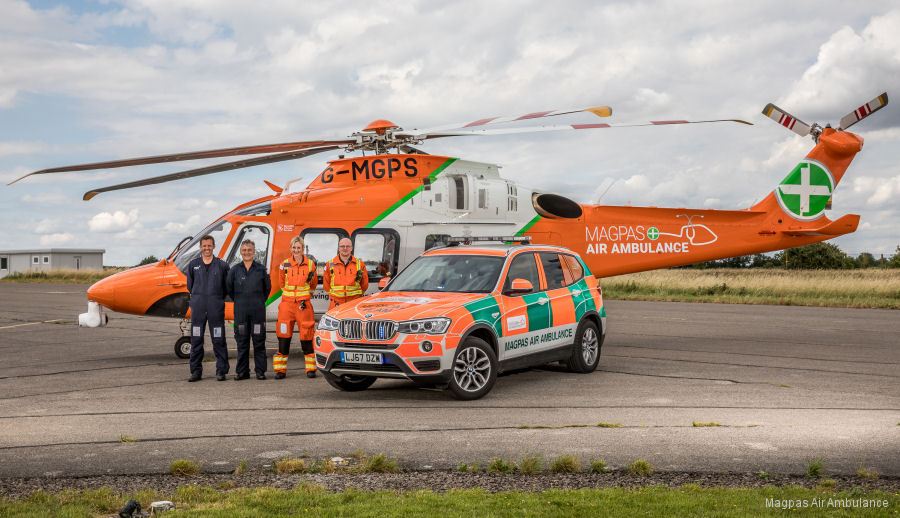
x,y
586,349
349,383
474,369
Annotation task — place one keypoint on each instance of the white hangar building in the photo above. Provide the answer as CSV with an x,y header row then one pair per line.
x,y
12,261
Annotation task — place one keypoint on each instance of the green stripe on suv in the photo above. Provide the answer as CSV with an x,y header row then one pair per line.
x,y
540,316
483,310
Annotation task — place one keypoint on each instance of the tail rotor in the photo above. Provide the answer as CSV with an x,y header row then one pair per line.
x,y
803,129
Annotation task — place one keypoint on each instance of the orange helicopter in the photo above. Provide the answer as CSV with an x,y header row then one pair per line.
x,y
398,201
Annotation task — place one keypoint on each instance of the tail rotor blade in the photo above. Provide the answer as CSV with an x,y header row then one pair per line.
x,y
787,120
864,111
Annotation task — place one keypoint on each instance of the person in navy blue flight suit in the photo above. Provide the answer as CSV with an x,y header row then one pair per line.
x,y
206,283
249,285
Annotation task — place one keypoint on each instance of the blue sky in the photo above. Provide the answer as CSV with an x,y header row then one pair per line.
x,y
89,81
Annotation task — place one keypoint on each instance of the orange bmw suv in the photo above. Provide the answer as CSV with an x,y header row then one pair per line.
x,y
457,316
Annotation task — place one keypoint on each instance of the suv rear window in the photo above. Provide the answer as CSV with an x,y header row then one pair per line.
x,y
553,270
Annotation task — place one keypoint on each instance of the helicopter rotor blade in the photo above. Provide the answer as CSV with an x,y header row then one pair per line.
x,y
864,111
600,111
194,155
787,120
228,166
563,127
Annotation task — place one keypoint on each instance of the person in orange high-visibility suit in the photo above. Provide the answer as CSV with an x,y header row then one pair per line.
x,y
298,281
345,276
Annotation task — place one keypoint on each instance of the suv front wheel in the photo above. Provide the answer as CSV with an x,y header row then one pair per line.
x,y
349,383
474,369
586,349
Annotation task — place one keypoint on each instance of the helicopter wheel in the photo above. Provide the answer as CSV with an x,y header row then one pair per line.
x,y
183,347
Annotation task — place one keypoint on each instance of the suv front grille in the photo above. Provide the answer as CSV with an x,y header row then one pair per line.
x,y
351,329
380,329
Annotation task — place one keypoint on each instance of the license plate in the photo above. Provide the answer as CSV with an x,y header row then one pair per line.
x,y
357,357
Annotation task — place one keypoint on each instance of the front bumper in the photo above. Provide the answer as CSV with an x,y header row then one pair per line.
x,y
402,357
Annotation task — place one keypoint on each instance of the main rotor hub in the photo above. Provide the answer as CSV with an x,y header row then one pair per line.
x,y
379,136
381,126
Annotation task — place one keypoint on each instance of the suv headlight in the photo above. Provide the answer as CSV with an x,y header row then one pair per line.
x,y
428,326
328,323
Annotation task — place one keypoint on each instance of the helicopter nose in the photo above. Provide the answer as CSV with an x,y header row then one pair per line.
x,y
103,292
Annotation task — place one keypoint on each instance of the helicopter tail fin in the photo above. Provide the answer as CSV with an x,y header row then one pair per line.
x,y
805,193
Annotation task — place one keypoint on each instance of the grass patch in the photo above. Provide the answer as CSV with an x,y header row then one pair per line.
x,y
531,465
323,466
63,276
641,468
310,500
698,424
184,468
763,475
599,466
358,454
475,467
601,424
127,438
289,465
827,484
241,467
864,288
379,464
814,468
565,464
867,473
499,465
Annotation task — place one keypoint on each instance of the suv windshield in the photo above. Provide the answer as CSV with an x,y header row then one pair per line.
x,y
452,273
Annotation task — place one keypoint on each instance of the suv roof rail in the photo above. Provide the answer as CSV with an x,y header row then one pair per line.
x,y
468,240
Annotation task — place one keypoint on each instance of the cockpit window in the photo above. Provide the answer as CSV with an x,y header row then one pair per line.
x,y
218,230
260,209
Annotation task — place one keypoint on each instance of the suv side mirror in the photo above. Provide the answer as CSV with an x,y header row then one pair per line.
x,y
383,282
519,286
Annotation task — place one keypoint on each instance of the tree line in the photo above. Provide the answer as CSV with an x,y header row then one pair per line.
x,y
817,256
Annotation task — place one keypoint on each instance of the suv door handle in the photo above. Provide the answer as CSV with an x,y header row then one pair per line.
x,y
543,300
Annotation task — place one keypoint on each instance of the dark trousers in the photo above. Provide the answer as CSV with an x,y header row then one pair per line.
x,y
242,334
217,332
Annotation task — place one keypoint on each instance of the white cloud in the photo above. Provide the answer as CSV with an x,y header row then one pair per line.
x,y
19,148
47,226
56,239
851,68
878,192
113,222
44,197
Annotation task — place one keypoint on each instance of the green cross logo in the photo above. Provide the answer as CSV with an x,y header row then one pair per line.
x,y
806,190
653,233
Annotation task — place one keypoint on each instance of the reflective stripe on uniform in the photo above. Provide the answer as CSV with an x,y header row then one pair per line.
x,y
279,362
347,290
310,360
295,291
